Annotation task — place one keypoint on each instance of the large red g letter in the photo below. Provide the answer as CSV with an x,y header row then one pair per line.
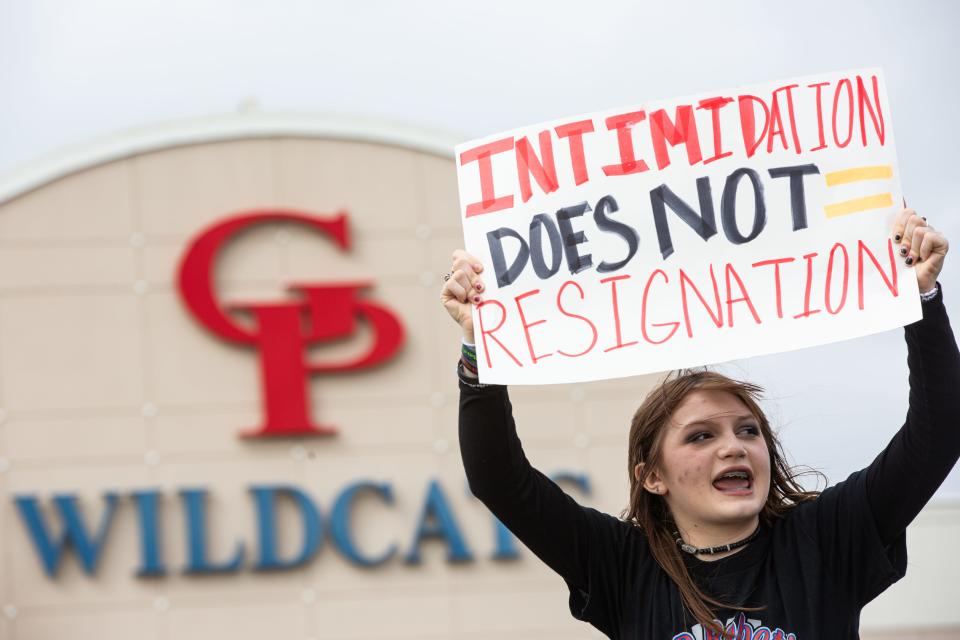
x,y
282,331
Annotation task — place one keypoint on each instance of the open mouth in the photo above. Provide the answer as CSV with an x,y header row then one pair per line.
x,y
735,482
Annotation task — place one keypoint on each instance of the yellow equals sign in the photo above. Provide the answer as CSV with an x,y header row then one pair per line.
x,y
857,174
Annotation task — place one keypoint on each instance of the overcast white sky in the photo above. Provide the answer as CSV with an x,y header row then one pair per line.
x,y
74,71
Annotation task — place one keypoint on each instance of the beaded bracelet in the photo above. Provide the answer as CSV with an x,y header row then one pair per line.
x,y
930,295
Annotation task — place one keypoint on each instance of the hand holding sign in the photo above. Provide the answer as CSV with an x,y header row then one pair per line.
x,y
462,289
920,245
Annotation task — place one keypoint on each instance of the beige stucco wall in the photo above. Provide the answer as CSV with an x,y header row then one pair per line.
x,y
106,382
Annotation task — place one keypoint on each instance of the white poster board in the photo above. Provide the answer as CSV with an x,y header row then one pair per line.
x,y
687,231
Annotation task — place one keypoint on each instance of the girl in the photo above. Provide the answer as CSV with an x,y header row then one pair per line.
x,y
719,540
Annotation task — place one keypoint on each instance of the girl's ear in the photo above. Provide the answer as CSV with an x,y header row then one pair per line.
x,y
653,482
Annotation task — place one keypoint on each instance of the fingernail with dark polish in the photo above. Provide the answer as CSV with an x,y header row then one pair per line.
x,y
903,251
896,238
909,260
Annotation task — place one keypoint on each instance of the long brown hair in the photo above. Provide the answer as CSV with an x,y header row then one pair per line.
x,y
650,512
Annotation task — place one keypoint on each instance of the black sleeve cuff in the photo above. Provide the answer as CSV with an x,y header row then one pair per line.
x,y
467,382
934,306
931,295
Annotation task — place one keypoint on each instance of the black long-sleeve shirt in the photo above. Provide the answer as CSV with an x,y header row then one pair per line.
x,y
812,571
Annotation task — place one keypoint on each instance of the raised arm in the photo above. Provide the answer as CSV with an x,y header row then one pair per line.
x,y
909,470
859,523
565,535
580,544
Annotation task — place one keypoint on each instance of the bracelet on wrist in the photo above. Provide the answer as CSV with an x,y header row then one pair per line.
x,y
468,366
930,295
468,353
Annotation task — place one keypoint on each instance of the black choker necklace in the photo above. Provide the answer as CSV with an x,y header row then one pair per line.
x,y
694,551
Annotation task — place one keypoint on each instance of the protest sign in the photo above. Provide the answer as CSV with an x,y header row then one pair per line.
x,y
686,232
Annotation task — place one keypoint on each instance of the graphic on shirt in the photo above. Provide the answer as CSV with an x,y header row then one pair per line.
x,y
739,628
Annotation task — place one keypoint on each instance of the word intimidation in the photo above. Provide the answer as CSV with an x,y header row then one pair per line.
x,y
767,124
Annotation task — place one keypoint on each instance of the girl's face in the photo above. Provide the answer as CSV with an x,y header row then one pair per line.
x,y
715,466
